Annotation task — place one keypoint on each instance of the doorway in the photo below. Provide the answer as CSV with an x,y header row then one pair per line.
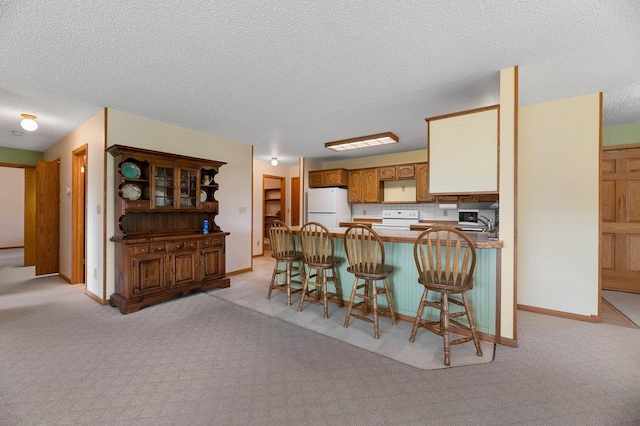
x,y
79,175
273,205
620,211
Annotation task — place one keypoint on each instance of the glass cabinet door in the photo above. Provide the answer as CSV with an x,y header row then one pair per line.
x,y
188,187
164,186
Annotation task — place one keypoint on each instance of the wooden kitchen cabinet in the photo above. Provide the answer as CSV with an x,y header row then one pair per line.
x,y
328,178
422,183
396,172
161,252
365,186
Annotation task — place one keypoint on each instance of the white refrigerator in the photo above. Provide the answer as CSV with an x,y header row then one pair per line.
x,y
328,206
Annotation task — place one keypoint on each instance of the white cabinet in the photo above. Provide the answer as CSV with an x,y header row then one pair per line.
x,y
463,152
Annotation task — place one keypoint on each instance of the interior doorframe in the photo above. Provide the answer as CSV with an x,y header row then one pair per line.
x,y
79,174
283,204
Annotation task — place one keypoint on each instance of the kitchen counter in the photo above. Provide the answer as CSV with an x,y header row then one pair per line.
x,y
480,239
406,291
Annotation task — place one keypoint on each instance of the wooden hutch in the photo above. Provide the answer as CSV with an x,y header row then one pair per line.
x,y
161,251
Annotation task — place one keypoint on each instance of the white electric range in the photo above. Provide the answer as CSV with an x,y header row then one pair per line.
x,y
398,219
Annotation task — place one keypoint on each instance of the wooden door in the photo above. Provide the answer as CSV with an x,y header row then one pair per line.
x,y
295,201
29,216
620,212
47,217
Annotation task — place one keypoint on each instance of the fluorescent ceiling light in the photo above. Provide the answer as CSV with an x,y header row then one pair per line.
x,y
362,142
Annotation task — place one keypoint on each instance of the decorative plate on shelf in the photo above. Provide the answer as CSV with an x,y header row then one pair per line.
x,y
130,170
131,191
203,195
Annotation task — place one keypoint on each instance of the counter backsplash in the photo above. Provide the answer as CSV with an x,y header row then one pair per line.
x,y
428,211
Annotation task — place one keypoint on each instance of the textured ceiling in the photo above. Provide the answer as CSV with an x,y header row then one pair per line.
x,y
289,75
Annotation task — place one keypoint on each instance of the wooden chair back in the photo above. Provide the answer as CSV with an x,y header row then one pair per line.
x,y
445,258
365,252
317,244
281,239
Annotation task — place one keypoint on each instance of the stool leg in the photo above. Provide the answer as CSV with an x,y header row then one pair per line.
x,y
325,293
376,328
336,284
366,299
444,324
472,324
288,278
387,293
416,322
351,298
272,284
304,289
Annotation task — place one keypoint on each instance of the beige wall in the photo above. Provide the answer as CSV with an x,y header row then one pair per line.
x,y
11,207
558,190
508,167
90,133
419,156
235,177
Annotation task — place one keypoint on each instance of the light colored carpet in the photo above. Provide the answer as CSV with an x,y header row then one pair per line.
x,y
627,303
250,290
200,360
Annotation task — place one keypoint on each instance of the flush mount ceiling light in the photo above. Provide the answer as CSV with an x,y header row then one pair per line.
x,y
29,122
362,142
274,161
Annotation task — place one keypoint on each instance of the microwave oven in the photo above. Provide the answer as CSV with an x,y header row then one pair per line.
x,y
468,217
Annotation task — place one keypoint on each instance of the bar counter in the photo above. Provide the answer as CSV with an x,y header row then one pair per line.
x,y
405,289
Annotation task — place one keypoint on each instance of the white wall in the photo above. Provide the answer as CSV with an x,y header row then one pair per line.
x,y
234,178
12,207
90,133
558,190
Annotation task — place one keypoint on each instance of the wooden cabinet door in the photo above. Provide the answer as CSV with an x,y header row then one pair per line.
x,y
371,184
189,188
620,212
355,186
405,171
422,183
387,172
335,177
315,179
183,268
164,187
149,274
212,263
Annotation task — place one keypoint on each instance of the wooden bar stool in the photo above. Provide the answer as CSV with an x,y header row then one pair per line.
x,y
446,259
288,260
317,253
365,254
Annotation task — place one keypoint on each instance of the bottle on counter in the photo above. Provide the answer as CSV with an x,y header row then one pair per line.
x,y
205,226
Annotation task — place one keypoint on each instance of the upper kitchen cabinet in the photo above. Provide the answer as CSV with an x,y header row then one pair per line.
x,y
422,184
463,152
328,178
397,172
365,186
